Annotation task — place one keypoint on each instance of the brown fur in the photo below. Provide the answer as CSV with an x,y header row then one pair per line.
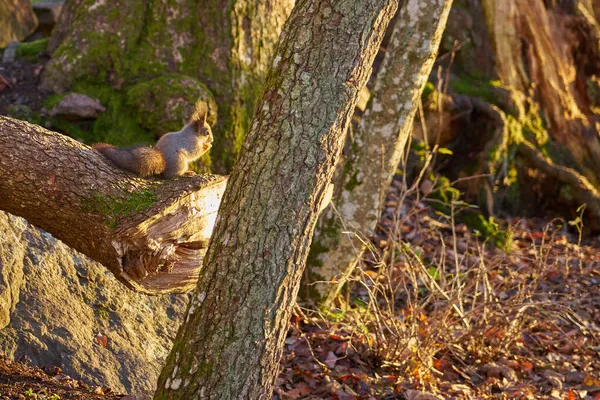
x,y
142,160
173,152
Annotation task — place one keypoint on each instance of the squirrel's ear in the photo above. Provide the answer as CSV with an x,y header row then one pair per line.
x,y
200,113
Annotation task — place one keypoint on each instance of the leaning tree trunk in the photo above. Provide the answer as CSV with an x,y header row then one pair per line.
x,y
549,54
156,55
230,344
377,145
151,234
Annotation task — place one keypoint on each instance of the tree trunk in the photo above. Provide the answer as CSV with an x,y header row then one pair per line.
x,y
378,144
17,21
128,45
230,344
548,53
151,234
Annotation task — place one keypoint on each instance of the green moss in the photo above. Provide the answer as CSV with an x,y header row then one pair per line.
x,y
164,104
23,112
126,61
205,369
349,171
117,208
329,236
428,91
119,124
53,100
476,87
31,49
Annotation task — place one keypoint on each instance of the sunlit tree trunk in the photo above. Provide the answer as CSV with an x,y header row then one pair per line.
x,y
378,144
547,54
230,344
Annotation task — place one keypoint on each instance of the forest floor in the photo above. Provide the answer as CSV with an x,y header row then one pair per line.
x,y
467,321
435,311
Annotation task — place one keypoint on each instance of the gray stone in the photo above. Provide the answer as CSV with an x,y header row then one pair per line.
x,y
57,307
10,52
47,12
77,106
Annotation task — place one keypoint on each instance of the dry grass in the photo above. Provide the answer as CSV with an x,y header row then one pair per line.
x,y
435,302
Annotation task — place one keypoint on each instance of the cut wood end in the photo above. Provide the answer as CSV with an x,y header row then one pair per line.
x,y
164,253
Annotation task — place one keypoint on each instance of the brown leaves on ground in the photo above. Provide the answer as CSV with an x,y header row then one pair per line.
x,y
435,312
21,381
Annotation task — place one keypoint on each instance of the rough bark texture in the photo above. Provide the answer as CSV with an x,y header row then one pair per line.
x,y
17,21
152,234
548,52
230,344
378,144
225,44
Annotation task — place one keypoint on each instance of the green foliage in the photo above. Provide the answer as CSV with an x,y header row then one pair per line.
x,y
476,87
447,200
428,91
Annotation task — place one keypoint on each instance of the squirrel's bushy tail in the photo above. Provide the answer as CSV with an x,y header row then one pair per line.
x,y
142,160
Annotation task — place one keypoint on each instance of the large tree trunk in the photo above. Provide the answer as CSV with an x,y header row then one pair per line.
x,y
17,21
130,44
549,53
378,144
230,344
529,125
151,234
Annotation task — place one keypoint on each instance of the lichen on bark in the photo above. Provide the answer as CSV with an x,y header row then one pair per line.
x,y
230,344
378,143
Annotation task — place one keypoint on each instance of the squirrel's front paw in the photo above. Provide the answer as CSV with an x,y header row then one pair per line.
x,y
189,173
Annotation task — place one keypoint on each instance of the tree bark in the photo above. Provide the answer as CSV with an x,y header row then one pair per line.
x,y
224,44
231,341
548,53
151,234
17,21
377,145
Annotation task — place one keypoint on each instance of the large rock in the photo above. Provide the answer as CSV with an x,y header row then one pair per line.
x,y
57,306
76,106
165,103
17,21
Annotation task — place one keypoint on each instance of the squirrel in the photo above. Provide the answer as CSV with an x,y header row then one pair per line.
x,y
172,153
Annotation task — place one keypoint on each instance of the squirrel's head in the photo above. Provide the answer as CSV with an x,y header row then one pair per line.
x,y
198,120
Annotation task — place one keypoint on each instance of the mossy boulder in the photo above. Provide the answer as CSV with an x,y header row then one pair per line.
x,y
164,104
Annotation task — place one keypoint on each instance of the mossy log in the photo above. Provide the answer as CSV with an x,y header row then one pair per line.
x,y
152,234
